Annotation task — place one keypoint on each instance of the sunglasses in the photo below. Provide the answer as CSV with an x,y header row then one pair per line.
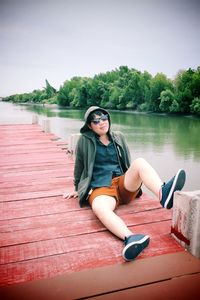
x,y
98,120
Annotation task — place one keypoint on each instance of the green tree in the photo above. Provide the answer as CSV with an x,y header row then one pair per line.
x,y
50,91
174,107
96,91
187,87
145,86
138,87
158,84
124,88
195,106
195,84
114,96
166,100
74,96
65,95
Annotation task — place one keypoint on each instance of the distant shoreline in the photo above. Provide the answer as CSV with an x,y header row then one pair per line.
x,y
49,105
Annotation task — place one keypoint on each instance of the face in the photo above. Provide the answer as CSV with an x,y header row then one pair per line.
x,y
100,124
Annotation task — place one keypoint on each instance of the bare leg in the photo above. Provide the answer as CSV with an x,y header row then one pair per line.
x,y
103,207
139,172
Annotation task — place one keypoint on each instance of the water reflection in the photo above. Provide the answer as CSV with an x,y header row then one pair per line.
x,y
143,130
52,111
168,142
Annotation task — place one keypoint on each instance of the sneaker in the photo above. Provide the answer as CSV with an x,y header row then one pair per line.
x,y
168,189
134,245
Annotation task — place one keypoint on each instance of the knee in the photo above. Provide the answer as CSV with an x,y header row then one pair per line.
x,y
103,204
96,207
139,162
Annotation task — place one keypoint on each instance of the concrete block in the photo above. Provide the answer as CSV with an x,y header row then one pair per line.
x,y
34,119
46,125
186,220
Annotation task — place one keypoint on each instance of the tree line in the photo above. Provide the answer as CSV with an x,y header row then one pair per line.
x,y
123,89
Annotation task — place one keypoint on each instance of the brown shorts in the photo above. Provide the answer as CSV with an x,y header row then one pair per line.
x,y
116,190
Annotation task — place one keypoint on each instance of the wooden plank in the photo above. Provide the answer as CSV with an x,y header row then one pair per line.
x,y
77,252
19,143
34,195
75,226
179,288
109,279
36,185
26,140
16,183
34,166
40,159
31,148
41,175
45,172
17,171
13,151
37,207
51,205
83,215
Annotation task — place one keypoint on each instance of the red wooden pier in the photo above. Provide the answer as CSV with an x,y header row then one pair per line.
x,y
53,249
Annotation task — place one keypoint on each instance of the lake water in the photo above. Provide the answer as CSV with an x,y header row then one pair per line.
x,y
167,142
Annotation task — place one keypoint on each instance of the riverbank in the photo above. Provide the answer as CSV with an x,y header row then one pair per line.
x,y
127,111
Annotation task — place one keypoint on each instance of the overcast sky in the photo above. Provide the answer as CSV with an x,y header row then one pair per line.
x,y
56,40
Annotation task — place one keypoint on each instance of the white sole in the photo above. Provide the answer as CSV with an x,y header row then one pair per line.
x,y
145,238
172,189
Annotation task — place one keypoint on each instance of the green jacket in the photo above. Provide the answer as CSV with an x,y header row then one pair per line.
x,y
85,157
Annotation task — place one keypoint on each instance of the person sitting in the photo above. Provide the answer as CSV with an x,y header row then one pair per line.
x,y
105,178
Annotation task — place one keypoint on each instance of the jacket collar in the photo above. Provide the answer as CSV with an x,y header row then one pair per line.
x,y
115,137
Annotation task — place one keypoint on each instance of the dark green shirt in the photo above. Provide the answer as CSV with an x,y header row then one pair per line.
x,y
106,165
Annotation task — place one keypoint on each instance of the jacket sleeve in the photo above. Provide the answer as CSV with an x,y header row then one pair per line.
x,y
124,154
127,151
79,163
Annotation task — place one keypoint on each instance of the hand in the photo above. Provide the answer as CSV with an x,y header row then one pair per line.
x,y
73,194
